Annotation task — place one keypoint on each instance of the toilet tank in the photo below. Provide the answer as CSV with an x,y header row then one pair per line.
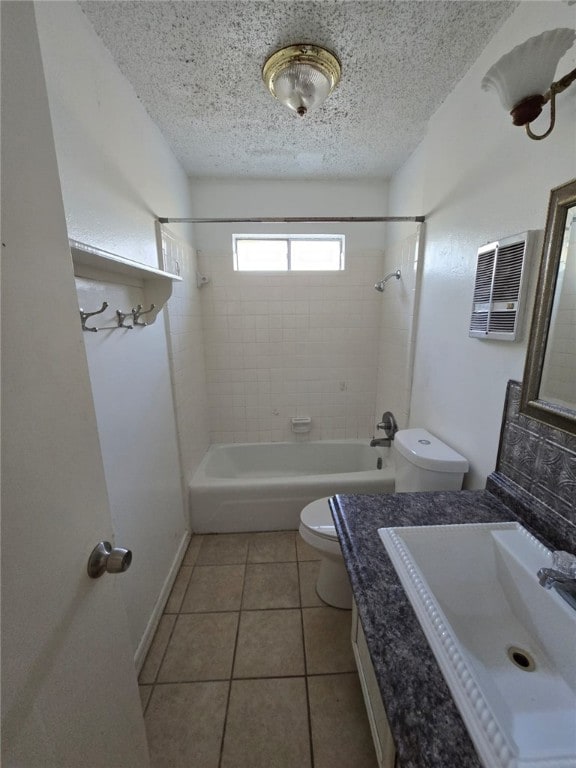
x,y
425,463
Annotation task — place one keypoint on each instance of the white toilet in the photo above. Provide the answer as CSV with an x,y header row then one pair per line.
x,y
317,529
422,462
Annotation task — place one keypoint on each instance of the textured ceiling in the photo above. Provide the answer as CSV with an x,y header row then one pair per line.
x,y
196,67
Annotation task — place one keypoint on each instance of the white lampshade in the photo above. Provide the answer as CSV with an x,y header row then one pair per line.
x,y
528,69
301,76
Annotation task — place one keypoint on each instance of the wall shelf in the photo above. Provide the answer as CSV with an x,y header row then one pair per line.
x,y
102,267
84,255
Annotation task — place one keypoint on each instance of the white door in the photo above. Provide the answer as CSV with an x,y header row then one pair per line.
x,y
69,690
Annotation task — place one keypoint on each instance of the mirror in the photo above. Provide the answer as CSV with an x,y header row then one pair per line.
x,y
549,385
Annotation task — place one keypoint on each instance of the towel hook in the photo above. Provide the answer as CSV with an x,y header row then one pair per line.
x,y
85,315
121,317
136,313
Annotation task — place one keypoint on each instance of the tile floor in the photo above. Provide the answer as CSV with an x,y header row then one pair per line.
x,y
248,668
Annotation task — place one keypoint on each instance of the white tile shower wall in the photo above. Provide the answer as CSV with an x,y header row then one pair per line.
x,y
186,352
293,344
397,329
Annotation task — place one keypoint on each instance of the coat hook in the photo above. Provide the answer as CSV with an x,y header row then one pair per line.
x,y
136,313
85,315
121,317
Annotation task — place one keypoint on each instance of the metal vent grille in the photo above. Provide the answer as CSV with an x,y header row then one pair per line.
x,y
499,286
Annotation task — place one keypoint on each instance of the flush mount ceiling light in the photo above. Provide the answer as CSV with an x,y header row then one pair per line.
x,y
301,76
523,77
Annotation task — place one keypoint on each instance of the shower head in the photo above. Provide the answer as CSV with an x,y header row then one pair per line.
x,y
382,283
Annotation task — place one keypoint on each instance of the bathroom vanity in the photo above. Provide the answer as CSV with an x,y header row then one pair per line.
x,y
381,734
410,707
402,682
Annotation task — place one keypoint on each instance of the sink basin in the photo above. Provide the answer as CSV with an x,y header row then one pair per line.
x,y
506,646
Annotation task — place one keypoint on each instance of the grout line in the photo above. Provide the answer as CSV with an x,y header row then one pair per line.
x,y
246,610
165,649
185,589
154,682
159,684
308,713
145,708
232,665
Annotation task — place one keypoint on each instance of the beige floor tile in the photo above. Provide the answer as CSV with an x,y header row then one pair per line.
x,y
275,547
327,640
341,735
308,576
193,549
157,648
269,644
145,693
271,585
223,549
214,588
178,590
184,724
201,648
304,551
267,725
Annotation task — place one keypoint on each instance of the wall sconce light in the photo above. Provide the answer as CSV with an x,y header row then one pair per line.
x,y
523,77
301,76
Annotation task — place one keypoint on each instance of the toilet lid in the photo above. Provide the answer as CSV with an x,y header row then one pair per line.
x,y
317,517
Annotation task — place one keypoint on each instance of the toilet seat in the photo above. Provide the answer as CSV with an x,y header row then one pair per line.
x,y
317,518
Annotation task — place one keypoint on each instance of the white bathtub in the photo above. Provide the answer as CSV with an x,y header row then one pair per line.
x,y
264,486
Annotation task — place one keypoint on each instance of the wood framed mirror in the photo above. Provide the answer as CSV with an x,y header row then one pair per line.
x,y
549,383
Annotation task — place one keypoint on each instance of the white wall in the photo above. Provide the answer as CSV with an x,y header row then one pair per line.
x,y
117,171
477,177
117,175
296,344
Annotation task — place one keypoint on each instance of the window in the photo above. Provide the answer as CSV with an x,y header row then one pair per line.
x,y
288,253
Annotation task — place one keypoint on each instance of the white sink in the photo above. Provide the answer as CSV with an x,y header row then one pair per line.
x,y
475,592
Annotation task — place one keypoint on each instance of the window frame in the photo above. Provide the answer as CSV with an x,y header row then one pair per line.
x,y
289,239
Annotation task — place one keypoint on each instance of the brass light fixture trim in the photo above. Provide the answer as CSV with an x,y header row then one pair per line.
x,y
522,77
320,59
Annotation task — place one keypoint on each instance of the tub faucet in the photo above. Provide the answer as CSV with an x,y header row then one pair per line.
x,y
388,424
564,584
380,442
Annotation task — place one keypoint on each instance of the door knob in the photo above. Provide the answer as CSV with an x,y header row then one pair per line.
x,y
108,559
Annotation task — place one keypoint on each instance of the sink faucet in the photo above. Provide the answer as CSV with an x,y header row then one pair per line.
x,y
564,584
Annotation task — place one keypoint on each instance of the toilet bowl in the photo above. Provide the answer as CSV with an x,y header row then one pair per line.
x,y
422,463
317,529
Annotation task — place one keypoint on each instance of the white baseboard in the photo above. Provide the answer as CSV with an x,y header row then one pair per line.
x,y
154,620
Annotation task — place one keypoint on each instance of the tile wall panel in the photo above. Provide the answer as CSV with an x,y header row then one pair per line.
x,y
536,472
280,345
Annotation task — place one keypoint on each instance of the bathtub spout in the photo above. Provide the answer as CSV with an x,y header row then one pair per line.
x,y
380,442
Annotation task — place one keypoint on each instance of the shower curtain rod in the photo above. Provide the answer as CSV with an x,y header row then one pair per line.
x,y
294,220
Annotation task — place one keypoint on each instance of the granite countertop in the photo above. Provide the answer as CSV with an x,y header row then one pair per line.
x,y
426,725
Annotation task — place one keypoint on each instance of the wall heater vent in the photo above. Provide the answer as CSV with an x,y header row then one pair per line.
x,y
500,287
